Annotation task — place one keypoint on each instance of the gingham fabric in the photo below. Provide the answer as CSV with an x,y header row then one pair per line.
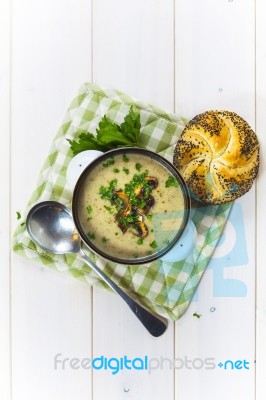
x,y
166,288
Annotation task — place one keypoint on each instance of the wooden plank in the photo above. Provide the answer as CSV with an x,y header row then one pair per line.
x,y
51,316
261,184
215,57
133,52
215,70
133,48
225,331
118,333
5,377
51,313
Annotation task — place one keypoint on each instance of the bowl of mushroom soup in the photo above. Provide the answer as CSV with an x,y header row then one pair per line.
x,y
130,206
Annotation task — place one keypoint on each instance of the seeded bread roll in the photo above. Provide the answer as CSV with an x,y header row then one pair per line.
x,y
218,156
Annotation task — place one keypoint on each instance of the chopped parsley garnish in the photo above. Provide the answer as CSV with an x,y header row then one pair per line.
x,y
135,255
89,212
91,235
109,134
18,214
116,170
167,241
126,170
138,166
128,220
149,217
125,158
89,209
142,203
196,315
171,181
107,192
109,209
109,162
153,244
104,239
140,241
132,203
139,180
22,223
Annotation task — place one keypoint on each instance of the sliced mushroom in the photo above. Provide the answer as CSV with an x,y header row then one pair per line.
x,y
122,227
139,227
141,230
126,205
152,181
149,203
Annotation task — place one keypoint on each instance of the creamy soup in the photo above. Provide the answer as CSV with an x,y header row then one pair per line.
x,y
130,206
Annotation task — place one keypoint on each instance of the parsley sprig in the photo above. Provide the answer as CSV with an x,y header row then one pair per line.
x,y
171,181
110,135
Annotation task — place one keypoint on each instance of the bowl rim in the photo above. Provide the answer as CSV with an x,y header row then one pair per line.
x,y
156,157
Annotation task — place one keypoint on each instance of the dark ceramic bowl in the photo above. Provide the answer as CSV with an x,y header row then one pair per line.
x,y
103,251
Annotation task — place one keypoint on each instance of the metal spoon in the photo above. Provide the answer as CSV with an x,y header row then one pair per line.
x,y
51,227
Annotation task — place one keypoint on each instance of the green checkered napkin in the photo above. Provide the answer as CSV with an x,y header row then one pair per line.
x,y
166,288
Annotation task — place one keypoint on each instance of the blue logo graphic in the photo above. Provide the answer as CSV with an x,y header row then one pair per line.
x,y
232,365
118,364
231,251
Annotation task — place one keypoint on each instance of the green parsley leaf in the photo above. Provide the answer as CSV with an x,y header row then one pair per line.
x,y
126,170
196,315
104,239
109,162
140,241
128,220
116,170
141,203
109,135
130,128
125,158
18,214
86,141
153,244
89,212
109,209
89,209
171,181
107,193
138,166
91,235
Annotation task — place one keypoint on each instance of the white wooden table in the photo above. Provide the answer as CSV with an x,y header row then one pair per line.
x,y
185,56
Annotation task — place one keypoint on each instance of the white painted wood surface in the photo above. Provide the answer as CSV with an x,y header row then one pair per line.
x,y
5,232
186,56
261,185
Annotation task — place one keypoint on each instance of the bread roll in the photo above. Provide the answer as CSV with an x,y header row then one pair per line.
x,y
218,156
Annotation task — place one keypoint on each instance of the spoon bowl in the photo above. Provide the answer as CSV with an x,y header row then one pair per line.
x,y
51,227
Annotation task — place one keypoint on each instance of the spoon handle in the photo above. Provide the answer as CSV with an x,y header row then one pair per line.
x,y
154,324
